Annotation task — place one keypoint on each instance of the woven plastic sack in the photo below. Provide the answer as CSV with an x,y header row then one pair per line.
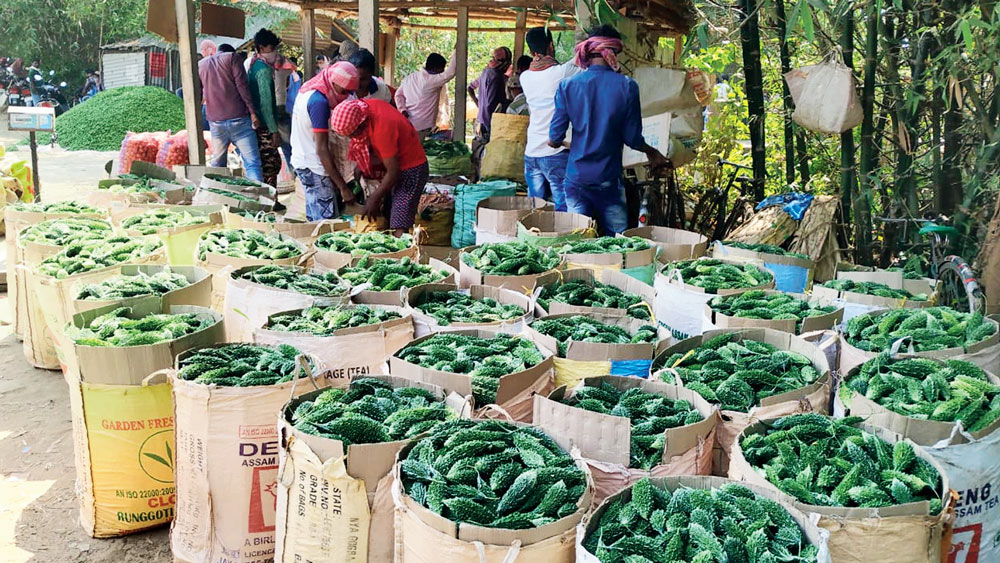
x,y
140,146
174,150
828,102
467,197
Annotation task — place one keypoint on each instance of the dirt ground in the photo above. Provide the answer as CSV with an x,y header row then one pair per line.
x,y
38,509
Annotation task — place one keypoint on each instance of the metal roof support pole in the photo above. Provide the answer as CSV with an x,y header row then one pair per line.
x,y
368,26
461,74
190,81
307,18
519,30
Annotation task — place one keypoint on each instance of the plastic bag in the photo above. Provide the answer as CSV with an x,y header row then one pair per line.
x,y
140,146
828,102
174,150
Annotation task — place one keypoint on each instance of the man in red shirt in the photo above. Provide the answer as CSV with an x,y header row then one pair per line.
x,y
385,146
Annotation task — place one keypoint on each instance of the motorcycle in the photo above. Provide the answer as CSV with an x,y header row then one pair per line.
x,y
18,92
51,95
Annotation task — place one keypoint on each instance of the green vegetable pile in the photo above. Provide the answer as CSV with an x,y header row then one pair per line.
x,y
873,288
357,244
248,243
603,245
116,329
486,360
457,307
257,216
149,222
323,321
738,374
234,195
60,232
79,257
931,328
829,462
650,415
142,186
448,158
579,328
370,411
594,294
241,365
102,122
389,274
73,207
492,474
926,389
511,259
123,286
757,304
233,180
763,248
299,280
728,524
713,275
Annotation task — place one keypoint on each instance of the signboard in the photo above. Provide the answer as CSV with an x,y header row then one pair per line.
x,y
656,131
222,20
31,118
161,19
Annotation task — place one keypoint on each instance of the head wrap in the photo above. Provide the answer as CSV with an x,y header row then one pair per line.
x,y
350,119
501,59
207,48
542,62
341,73
605,47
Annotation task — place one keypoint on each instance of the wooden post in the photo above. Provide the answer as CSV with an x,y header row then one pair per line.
x,y
33,144
519,31
461,74
190,81
307,18
368,26
389,57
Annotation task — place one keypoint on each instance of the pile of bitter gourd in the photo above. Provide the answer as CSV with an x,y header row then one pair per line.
x,y
486,360
370,411
603,245
62,231
873,288
737,374
389,274
323,321
154,220
248,243
115,328
457,307
297,279
511,259
594,294
580,328
830,462
492,474
357,244
713,275
79,257
140,283
927,329
241,365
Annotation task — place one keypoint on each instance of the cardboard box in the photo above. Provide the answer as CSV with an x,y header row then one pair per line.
x,y
194,172
604,260
197,294
598,351
626,283
500,214
674,244
215,214
150,170
469,276
426,323
396,297
547,228
809,324
656,132
331,260
893,279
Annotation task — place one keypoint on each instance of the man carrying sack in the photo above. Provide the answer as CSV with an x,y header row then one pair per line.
x,y
603,108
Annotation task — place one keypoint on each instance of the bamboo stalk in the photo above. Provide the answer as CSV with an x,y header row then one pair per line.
x,y
750,40
786,95
863,198
848,178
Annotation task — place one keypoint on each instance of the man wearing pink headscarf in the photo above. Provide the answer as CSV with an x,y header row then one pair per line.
x,y
311,157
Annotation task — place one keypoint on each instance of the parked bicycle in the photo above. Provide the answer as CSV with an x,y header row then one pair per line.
x,y
956,283
712,215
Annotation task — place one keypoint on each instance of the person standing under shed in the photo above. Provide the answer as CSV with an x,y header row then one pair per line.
x,y
230,111
311,156
544,166
489,94
418,96
385,146
369,85
603,108
261,82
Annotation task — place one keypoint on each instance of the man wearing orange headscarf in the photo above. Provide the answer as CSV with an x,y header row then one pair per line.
x,y
386,147
489,92
311,157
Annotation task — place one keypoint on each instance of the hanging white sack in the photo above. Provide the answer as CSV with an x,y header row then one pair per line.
x,y
828,102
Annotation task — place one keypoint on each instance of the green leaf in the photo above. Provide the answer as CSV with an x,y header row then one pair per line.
x,y
807,24
702,36
967,34
157,458
793,20
170,453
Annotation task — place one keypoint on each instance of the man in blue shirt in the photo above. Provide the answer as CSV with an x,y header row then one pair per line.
x,y
603,108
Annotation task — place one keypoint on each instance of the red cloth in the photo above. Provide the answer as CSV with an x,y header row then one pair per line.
x,y
341,73
542,62
607,47
157,65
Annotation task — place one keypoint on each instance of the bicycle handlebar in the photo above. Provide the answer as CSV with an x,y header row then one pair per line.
x,y
723,162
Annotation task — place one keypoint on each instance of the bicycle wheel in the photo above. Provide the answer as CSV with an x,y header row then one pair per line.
x,y
958,287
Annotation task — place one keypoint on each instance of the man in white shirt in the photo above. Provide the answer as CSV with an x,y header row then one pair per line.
x,y
544,166
418,95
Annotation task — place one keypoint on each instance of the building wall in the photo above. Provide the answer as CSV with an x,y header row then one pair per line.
x,y
124,69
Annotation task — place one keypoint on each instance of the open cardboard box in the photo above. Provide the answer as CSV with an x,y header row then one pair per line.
x,y
599,351
198,293
415,295
809,324
614,278
607,438
461,383
562,226
500,214
469,276
332,260
396,297
674,244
